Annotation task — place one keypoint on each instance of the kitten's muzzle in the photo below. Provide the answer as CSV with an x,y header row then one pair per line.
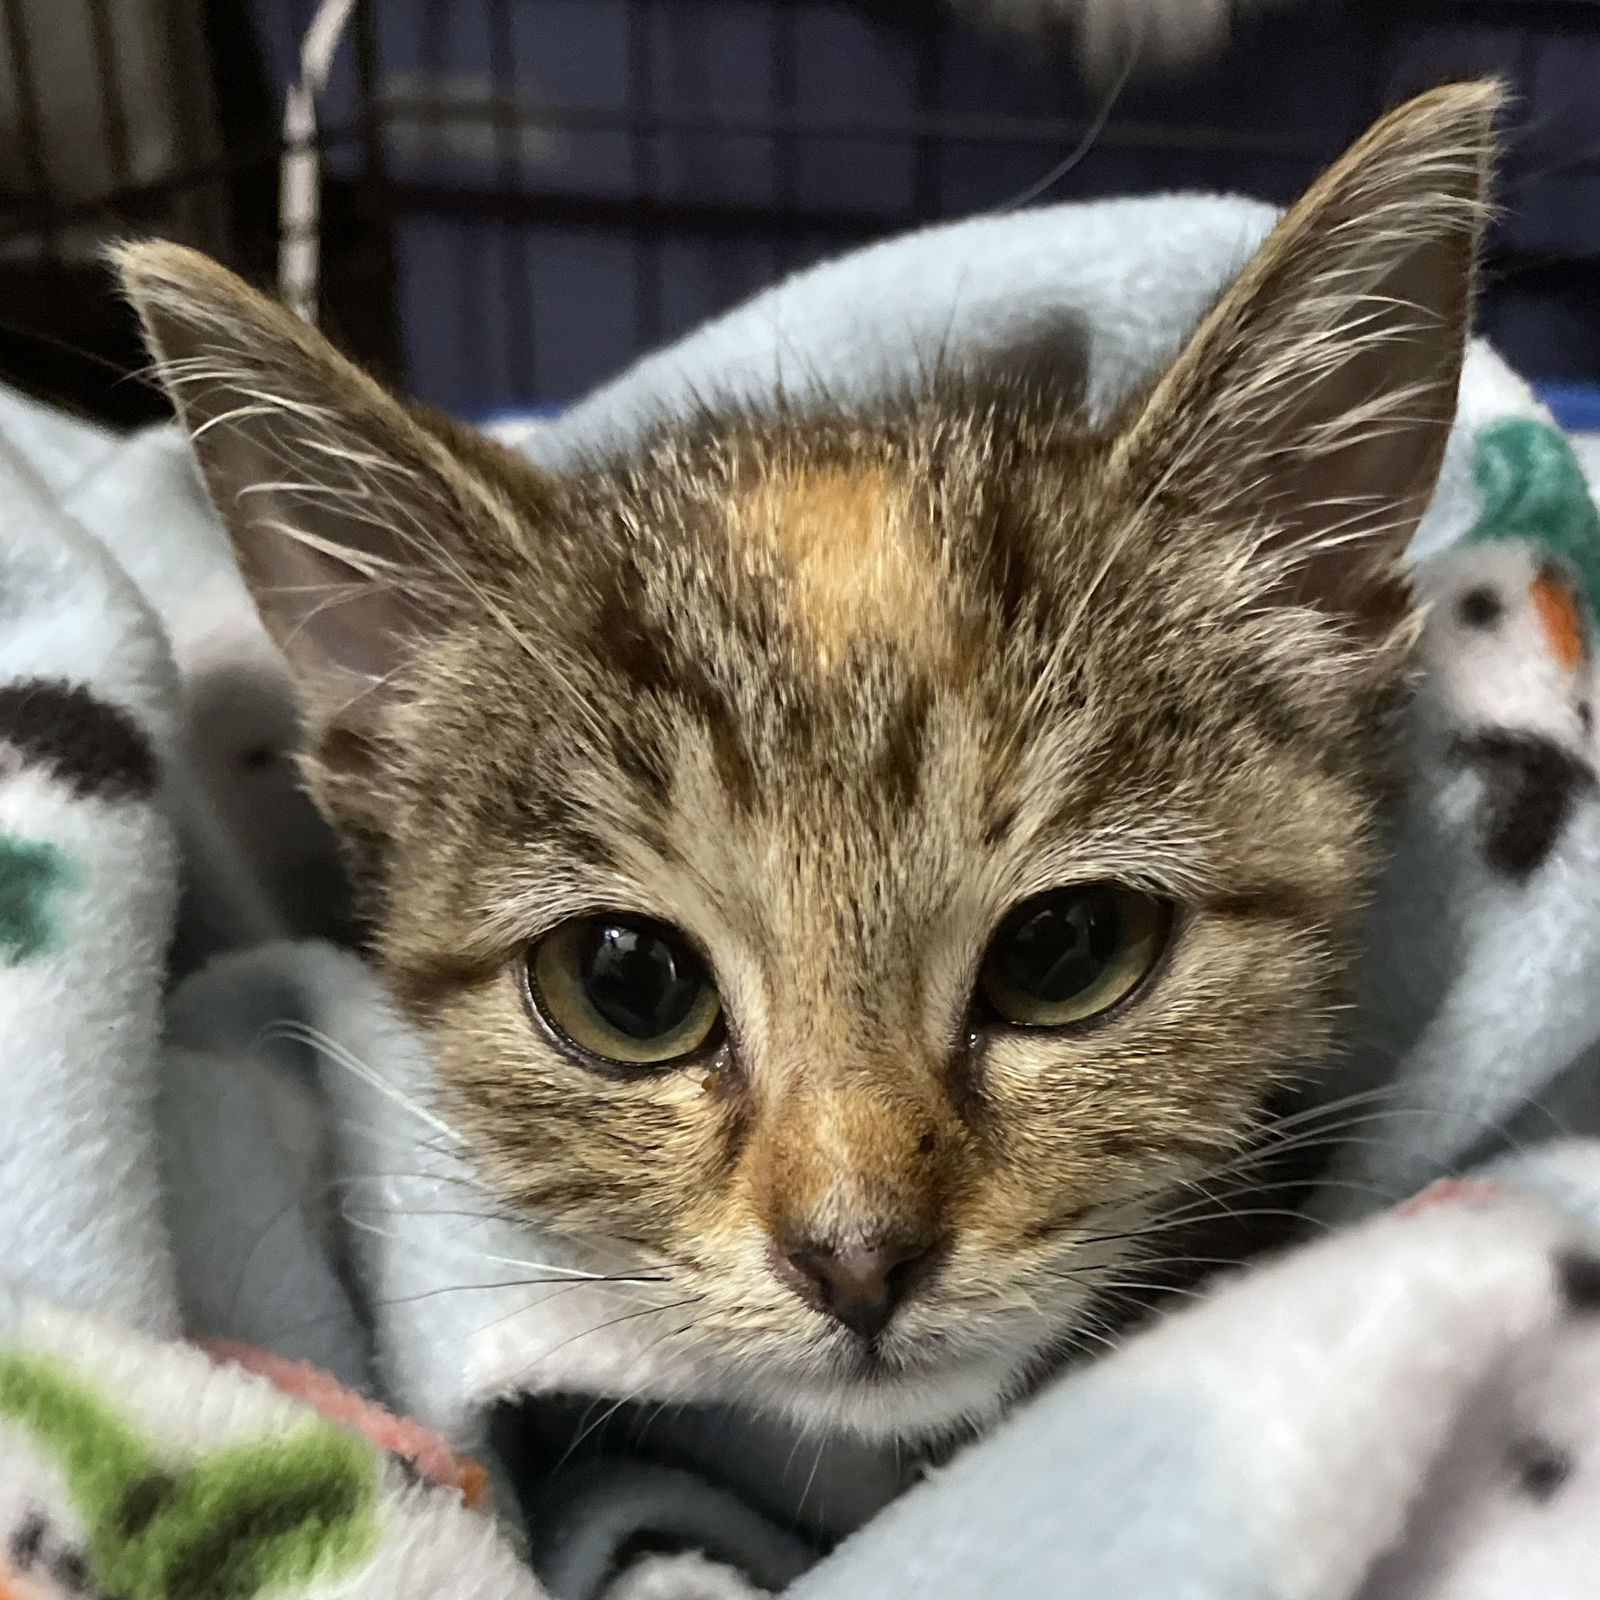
x,y
860,1285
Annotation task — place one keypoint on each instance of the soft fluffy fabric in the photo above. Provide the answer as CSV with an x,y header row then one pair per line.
x,y
214,1132
132,1466
88,878
1407,1410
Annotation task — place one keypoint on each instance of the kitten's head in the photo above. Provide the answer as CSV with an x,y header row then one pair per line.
x,y
862,863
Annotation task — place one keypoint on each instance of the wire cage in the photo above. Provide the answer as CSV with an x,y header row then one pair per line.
x,y
522,195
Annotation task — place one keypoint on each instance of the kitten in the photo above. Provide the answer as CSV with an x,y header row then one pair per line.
x,y
857,865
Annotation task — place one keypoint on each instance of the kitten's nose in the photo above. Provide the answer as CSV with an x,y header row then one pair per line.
x,y
862,1285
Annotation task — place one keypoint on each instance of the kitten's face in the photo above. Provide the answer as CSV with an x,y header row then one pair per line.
x,y
831,709
860,866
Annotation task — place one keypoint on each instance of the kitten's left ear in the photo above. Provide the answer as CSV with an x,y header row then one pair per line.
x,y
361,528
1312,405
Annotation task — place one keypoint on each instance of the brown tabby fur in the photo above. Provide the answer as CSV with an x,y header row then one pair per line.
x,y
832,692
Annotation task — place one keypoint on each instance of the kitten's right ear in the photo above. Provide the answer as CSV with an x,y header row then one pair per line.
x,y
1310,409
358,530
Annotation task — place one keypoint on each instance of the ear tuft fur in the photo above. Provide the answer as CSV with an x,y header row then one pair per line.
x,y
360,526
1311,407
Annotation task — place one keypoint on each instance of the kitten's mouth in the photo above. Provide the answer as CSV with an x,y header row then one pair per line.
x,y
898,1364
892,1356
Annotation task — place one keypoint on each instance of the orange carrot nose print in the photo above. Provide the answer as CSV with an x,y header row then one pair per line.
x,y
1559,617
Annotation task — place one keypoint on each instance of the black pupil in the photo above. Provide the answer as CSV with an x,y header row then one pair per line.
x,y
638,978
1060,944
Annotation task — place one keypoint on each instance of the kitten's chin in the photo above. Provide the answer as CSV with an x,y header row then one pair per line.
x,y
901,1400
927,1379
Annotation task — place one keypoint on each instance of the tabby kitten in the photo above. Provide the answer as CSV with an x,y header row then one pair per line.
x,y
858,864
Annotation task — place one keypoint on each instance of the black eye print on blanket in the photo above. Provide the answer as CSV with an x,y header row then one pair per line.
x,y
28,1541
71,1571
1541,1468
1579,1278
95,748
1479,608
1532,786
36,1548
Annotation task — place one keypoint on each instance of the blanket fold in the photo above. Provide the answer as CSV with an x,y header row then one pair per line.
x,y
1417,1424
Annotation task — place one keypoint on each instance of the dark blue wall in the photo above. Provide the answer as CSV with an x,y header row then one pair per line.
x,y
539,307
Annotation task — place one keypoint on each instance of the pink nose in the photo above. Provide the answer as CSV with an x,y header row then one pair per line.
x,y
861,1285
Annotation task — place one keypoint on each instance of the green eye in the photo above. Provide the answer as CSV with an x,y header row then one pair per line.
x,y
626,989
1069,954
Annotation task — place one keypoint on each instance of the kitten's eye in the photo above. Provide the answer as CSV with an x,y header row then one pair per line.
x,y
625,988
1069,954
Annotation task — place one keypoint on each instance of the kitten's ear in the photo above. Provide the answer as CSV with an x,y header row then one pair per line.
x,y
359,531
1313,403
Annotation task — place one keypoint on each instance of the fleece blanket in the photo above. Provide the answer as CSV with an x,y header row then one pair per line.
x,y
248,1347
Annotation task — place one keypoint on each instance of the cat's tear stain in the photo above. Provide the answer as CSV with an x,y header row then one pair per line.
x,y
728,1092
861,560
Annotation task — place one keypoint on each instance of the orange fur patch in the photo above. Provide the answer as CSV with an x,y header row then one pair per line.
x,y
860,556
1559,617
